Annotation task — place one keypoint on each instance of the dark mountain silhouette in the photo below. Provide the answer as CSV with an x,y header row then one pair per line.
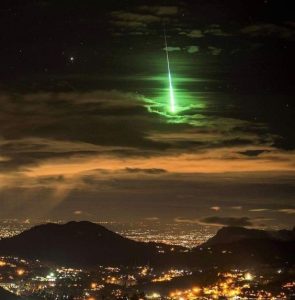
x,y
5,295
87,244
238,246
80,244
234,234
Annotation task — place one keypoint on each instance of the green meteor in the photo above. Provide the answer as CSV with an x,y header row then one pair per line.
x,y
171,91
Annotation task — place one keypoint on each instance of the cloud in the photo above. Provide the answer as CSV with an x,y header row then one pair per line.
x,y
152,219
217,221
215,30
236,207
146,171
215,208
192,49
70,140
254,153
289,211
133,20
171,49
214,50
160,10
196,33
140,18
259,209
226,221
212,30
268,30
186,221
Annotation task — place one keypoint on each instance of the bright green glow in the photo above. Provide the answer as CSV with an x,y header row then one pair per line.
x,y
171,91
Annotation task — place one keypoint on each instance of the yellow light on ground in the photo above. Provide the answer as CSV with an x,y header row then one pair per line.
x,y
248,276
155,295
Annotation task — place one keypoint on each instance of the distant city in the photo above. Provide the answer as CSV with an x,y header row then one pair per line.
x,y
182,234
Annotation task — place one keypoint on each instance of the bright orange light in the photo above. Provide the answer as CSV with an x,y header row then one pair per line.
x,y
196,290
20,272
2,263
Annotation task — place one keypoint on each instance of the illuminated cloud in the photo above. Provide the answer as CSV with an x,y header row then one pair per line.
x,y
192,49
95,148
153,219
259,209
215,208
171,49
289,211
196,33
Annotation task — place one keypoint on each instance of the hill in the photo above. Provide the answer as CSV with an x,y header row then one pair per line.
x,y
85,244
80,244
235,234
242,247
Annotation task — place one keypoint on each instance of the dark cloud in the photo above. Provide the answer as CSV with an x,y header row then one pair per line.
x,y
160,10
147,171
253,153
214,50
227,221
269,30
133,20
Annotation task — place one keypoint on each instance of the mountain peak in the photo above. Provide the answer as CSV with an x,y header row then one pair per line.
x,y
233,234
76,243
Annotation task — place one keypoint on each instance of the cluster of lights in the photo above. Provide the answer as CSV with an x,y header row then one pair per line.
x,y
24,278
170,275
226,287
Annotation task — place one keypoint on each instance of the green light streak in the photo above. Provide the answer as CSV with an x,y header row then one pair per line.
x,y
171,91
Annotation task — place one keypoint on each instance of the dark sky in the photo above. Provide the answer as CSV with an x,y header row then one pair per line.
x,y
85,127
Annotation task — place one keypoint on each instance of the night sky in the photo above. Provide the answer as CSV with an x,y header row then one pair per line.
x,y
85,126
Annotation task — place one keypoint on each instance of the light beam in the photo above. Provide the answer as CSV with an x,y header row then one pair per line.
x,y
171,91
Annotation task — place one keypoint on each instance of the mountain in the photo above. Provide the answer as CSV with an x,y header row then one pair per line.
x,y
5,295
80,244
234,234
85,244
237,247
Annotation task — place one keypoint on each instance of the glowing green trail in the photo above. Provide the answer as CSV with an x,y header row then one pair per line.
x,y
171,91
